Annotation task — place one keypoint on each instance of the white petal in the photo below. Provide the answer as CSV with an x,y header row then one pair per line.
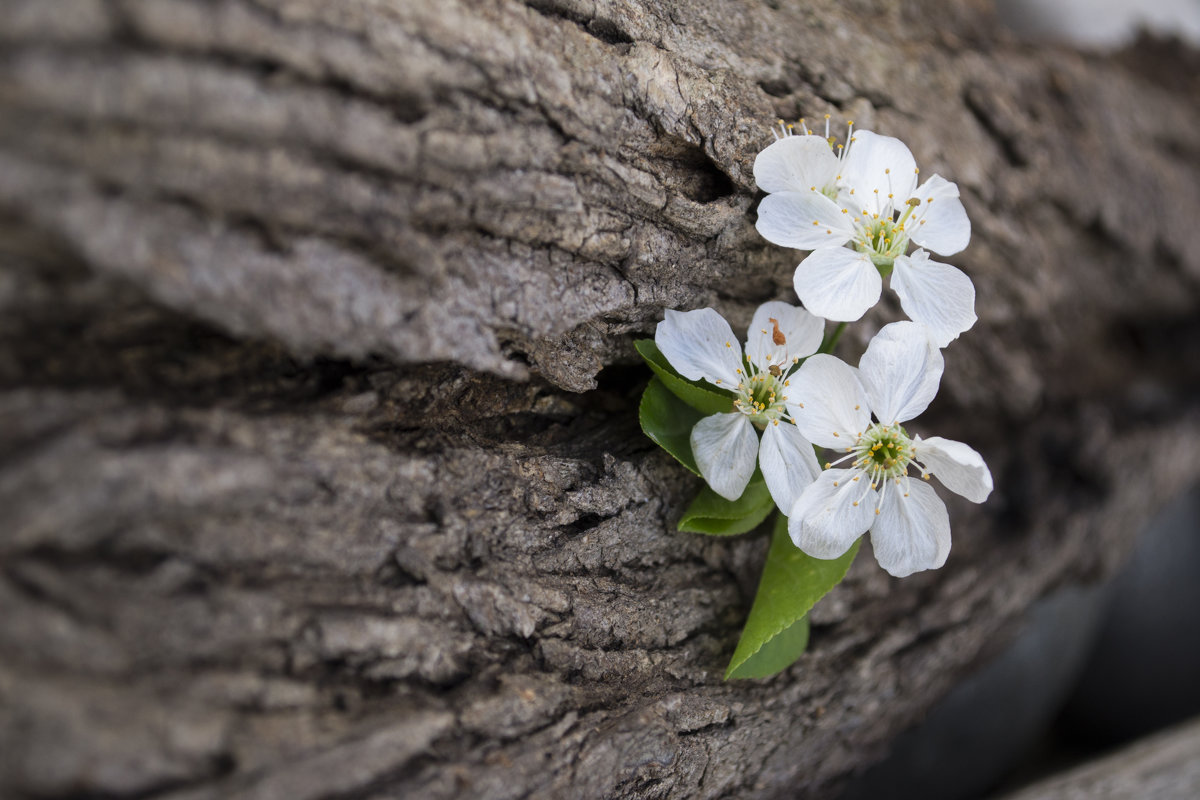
x,y
827,402
700,345
875,167
804,220
788,463
831,513
940,222
796,164
837,283
901,371
957,466
939,296
911,533
801,332
725,447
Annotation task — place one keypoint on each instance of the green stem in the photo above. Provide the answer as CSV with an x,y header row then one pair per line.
x,y
831,342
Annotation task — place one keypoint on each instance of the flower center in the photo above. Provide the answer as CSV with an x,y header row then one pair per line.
x,y
761,398
883,451
881,238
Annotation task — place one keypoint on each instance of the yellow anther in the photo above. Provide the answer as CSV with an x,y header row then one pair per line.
x,y
828,464
927,476
727,344
776,421
816,222
835,433
835,483
856,504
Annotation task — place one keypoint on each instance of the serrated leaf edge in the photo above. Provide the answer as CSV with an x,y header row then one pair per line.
x,y
754,652
729,671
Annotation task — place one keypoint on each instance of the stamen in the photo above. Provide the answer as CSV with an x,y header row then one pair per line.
x,y
777,335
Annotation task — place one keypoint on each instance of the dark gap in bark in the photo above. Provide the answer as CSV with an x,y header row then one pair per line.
x,y
686,169
606,30
776,87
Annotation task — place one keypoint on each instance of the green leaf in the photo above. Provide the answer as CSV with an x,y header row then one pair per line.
x,y
791,584
704,397
712,514
668,421
777,654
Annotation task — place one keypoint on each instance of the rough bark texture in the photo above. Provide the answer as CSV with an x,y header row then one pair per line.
x,y
319,469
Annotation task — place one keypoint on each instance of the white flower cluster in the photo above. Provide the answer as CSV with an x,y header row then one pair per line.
x,y
857,212
857,207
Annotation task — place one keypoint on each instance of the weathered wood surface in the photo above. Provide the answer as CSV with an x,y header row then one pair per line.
x,y
311,484
1165,766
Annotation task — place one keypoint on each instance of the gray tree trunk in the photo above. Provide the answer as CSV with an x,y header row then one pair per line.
x,y
320,474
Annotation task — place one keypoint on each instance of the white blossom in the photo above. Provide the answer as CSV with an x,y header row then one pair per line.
x,y
832,405
857,207
700,345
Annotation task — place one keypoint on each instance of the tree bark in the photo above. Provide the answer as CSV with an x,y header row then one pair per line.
x,y
320,475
